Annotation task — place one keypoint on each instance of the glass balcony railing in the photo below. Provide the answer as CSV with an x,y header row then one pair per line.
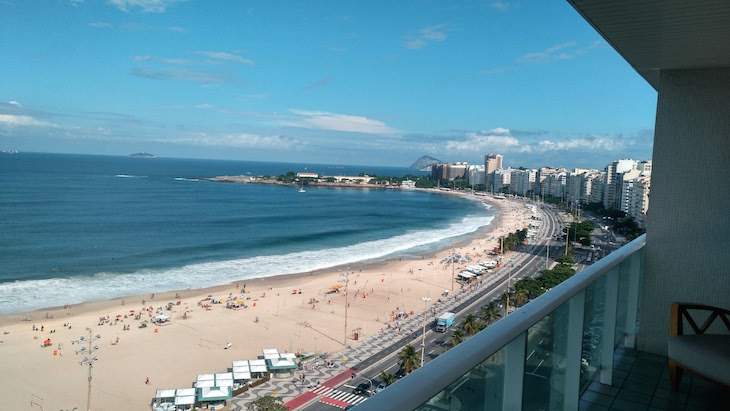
x,y
540,357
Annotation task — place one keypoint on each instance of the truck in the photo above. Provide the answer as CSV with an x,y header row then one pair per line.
x,y
445,321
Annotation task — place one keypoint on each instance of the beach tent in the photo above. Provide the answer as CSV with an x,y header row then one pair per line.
x,y
258,367
224,379
241,371
185,398
270,353
161,319
205,381
164,395
466,275
164,399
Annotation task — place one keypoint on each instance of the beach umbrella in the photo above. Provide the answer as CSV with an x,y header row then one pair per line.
x,y
131,311
119,316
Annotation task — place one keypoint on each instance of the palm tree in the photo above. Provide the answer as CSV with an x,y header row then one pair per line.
x,y
470,324
409,359
457,337
387,377
491,313
504,299
521,296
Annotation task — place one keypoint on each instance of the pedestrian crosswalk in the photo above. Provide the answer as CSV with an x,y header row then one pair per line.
x,y
321,390
336,398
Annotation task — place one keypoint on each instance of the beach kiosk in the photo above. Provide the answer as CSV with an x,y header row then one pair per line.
x,y
185,398
281,365
208,390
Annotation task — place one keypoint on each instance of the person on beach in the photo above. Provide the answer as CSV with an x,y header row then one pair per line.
x,y
148,381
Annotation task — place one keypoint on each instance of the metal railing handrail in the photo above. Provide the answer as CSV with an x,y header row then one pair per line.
x,y
427,381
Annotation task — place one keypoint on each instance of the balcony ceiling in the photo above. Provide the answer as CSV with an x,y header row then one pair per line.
x,y
655,35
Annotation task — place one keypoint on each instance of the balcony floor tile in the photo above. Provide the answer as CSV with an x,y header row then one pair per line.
x,y
641,382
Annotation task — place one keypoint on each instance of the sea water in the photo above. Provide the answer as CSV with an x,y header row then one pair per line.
x,y
79,228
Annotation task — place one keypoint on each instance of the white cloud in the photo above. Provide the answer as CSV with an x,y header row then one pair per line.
x,y
338,122
100,25
155,59
15,103
549,54
425,36
504,5
238,140
497,139
596,143
205,106
175,73
144,6
221,56
11,120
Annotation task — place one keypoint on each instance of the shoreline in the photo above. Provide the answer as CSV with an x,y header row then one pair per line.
x,y
195,342
276,278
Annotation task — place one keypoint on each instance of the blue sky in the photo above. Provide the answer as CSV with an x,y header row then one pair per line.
x,y
376,82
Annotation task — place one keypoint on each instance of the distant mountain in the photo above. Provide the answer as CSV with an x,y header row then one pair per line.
x,y
424,163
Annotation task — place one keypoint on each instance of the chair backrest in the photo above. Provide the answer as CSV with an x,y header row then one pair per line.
x,y
681,310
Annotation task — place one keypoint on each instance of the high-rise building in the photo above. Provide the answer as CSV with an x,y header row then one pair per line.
x,y
526,182
492,162
612,186
458,170
639,204
501,179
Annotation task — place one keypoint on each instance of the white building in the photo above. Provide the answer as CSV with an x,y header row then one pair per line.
x,y
476,175
502,179
526,182
639,203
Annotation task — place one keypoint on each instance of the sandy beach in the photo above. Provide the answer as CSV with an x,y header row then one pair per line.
x,y
171,356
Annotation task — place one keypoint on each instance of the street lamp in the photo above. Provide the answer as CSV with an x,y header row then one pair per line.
x,y
88,360
423,343
346,280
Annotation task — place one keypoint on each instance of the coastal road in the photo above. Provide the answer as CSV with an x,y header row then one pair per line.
x,y
527,262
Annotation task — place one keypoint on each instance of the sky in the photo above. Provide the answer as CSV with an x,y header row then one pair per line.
x,y
335,82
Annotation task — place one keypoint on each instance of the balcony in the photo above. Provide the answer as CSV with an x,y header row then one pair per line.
x,y
571,348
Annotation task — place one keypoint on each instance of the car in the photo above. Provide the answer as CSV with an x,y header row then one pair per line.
x,y
380,387
349,407
361,389
400,373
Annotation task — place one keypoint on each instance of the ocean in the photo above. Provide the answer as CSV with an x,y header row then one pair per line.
x,y
78,228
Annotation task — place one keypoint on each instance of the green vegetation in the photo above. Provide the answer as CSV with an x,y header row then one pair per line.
x,y
267,403
470,324
529,288
514,239
409,359
490,313
289,177
580,232
457,337
387,377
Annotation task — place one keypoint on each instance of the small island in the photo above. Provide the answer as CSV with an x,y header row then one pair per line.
x,y
142,155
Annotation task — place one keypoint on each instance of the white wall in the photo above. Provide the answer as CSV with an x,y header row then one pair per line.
x,y
688,230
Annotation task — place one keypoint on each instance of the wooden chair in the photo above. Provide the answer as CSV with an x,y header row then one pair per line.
x,y
704,355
